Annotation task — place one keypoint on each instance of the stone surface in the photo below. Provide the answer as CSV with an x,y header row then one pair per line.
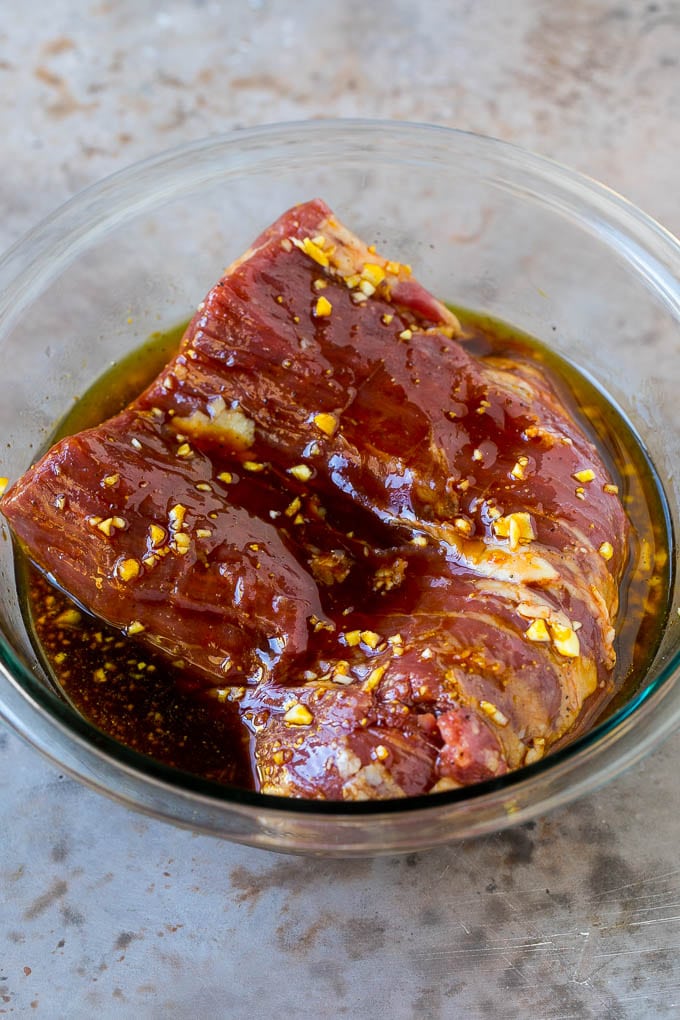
x,y
105,913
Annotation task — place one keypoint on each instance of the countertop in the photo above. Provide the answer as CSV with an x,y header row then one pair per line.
x,y
105,913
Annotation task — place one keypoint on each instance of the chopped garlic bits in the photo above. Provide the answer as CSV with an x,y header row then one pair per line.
x,y
370,638
519,469
326,423
128,569
311,248
301,471
538,631
494,713
564,638
374,677
298,715
517,527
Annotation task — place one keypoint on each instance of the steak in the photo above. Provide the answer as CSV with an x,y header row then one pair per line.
x,y
401,556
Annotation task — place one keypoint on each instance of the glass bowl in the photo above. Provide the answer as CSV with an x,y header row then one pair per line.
x,y
485,225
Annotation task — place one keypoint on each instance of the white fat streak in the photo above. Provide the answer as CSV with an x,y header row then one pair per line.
x,y
351,254
492,559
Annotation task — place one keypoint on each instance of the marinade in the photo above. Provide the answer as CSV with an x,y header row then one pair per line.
x,y
335,539
136,696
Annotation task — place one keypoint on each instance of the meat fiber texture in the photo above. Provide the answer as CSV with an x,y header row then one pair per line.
x,y
398,561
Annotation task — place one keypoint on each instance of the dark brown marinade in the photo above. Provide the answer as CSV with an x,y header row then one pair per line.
x,y
134,695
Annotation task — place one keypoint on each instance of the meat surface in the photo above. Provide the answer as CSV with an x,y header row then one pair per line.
x,y
401,559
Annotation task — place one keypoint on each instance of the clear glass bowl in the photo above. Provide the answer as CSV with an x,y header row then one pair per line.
x,y
486,226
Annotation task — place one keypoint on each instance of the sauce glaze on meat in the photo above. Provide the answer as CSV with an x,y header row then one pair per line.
x,y
394,559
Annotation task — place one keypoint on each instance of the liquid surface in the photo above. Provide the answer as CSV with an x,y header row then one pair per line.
x,y
147,704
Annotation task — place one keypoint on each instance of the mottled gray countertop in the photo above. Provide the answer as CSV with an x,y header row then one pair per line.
x,y
104,913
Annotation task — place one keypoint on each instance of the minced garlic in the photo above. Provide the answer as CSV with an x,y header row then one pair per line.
x,y
374,678
314,251
176,516
370,638
301,471
517,527
494,713
373,273
565,640
352,638
156,534
536,752
182,541
519,469
128,569
463,525
69,618
538,631
298,715
327,423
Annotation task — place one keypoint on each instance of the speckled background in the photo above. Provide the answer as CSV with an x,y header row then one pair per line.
x,y
105,913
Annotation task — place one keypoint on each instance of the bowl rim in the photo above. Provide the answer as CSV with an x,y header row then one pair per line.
x,y
651,250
